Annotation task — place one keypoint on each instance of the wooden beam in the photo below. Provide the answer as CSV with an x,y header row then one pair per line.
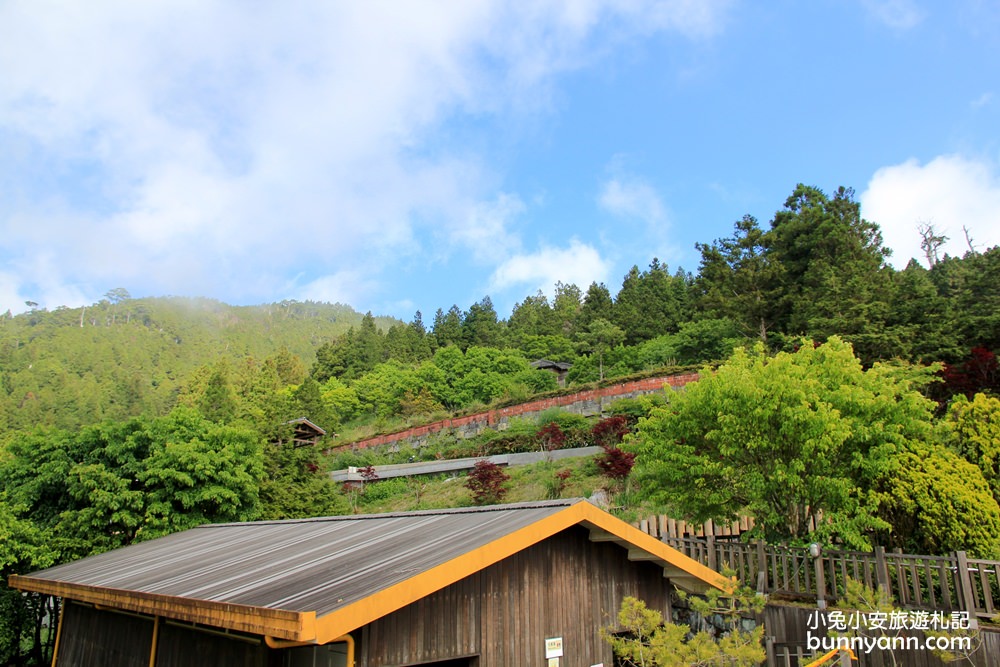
x,y
597,535
244,618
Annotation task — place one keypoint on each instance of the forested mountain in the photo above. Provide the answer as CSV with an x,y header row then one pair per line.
x,y
132,418
123,357
818,270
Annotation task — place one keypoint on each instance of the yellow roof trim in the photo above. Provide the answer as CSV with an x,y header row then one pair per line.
x,y
306,627
393,598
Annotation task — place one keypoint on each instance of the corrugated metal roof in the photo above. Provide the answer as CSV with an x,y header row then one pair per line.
x,y
315,579
300,565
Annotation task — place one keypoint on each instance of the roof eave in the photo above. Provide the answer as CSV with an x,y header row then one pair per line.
x,y
281,623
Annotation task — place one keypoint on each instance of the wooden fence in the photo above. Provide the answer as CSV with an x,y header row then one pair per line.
x,y
942,583
663,527
786,644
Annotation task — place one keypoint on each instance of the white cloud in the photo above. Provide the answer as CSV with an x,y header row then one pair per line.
x,y
896,14
632,198
336,287
484,230
218,148
984,100
950,192
579,263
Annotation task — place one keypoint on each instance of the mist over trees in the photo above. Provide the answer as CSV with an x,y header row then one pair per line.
x,y
134,417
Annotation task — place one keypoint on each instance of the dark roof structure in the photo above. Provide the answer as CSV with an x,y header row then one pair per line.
x,y
304,432
314,580
545,364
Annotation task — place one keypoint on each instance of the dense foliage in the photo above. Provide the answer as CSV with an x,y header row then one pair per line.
x,y
134,417
814,446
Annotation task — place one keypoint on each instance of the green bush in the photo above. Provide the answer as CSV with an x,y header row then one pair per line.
x,y
567,421
382,489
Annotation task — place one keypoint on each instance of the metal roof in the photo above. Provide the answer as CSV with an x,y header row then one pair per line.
x,y
321,567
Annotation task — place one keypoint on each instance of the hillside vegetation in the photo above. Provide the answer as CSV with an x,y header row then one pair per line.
x,y
866,392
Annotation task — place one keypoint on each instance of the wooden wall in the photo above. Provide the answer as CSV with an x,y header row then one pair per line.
x,y
92,637
565,587
180,646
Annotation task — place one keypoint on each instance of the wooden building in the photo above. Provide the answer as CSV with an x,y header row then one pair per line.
x,y
304,433
519,584
559,368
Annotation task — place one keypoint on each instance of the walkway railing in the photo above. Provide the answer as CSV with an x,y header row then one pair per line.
x,y
945,583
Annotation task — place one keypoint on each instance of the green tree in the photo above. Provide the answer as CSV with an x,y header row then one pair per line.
x,y
738,280
115,297
597,304
418,341
532,317
351,355
936,502
920,317
970,286
309,401
706,340
447,327
23,548
974,433
341,399
380,391
566,304
833,271
652,302
288,366
112,484
602,336
218,399
294,486
480,327
643,639
782,438
553,348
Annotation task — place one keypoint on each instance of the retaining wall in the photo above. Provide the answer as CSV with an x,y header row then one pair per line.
x,y
588,403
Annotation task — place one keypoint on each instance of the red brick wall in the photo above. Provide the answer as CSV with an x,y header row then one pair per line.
x,y
491,417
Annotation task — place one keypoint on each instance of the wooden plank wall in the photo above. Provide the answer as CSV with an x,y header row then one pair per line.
x,y
93,637
180,646
565,586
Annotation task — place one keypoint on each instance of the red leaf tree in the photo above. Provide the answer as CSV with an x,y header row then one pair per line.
x,y
487,483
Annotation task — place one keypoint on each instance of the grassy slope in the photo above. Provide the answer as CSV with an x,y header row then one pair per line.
x,y
530,482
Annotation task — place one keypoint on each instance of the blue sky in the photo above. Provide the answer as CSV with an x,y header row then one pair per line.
x,y
413,155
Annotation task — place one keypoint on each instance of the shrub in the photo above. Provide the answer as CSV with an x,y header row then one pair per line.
x,y
554,487
566,420
633,409
551,437
610,431
615,463
510,444
487,483
387,488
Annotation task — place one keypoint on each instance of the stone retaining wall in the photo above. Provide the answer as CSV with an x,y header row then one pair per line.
x,y
588,403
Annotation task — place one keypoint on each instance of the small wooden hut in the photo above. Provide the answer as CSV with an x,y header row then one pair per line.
x,y
519,584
